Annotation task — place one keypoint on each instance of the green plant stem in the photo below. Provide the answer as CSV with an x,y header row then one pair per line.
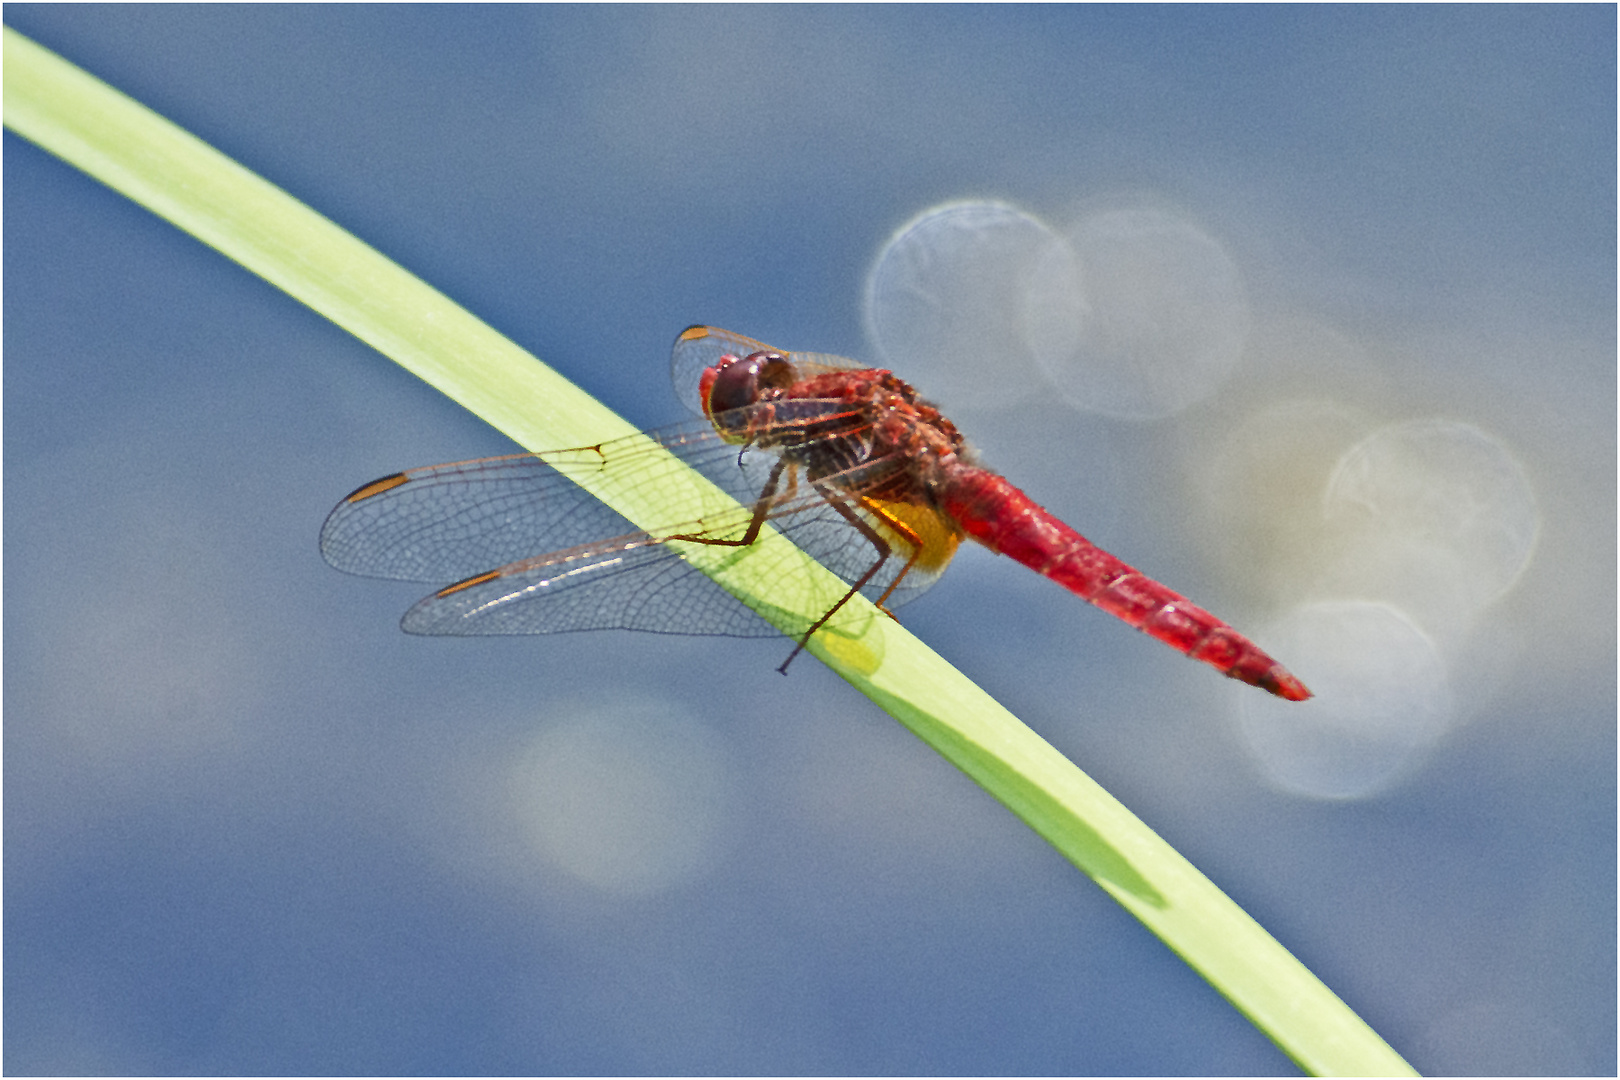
x,y
138,153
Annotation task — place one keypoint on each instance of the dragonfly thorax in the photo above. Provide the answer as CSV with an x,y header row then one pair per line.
x,y
863,431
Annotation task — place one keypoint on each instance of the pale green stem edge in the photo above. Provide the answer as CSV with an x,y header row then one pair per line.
x,y
139,154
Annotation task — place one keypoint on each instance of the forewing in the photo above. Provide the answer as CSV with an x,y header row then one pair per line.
x,y
448,522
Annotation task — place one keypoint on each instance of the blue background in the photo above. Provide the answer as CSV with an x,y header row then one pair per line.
x,y
242,820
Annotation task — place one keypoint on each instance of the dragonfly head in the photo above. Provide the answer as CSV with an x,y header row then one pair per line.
x,y
738,382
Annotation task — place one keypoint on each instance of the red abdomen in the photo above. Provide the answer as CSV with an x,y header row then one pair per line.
x,y
1004,519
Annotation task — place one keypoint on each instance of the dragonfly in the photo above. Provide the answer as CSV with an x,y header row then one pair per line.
x,y
847,461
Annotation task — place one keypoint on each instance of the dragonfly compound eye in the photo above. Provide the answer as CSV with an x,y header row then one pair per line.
x,y
737,384
732,384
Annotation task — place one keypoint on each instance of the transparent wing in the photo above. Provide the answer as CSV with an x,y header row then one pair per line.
x,y
533,552
632,583
447,522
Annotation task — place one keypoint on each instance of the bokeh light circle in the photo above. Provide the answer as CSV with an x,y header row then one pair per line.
x,y
945,302
1139,315
1434,515
622,795
1382,700
1135,314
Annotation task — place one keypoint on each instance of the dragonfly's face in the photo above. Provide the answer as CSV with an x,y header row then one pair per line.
x,y
738,382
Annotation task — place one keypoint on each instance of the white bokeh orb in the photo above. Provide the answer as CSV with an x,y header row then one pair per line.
x,y
1382,700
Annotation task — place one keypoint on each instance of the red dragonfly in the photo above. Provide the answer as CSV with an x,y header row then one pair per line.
x,y
846,461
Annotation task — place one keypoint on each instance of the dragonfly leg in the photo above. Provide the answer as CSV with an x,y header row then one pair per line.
x,y
762,508
837,502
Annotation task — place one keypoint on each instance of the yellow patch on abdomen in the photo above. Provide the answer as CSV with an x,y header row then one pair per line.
x,y
938,536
